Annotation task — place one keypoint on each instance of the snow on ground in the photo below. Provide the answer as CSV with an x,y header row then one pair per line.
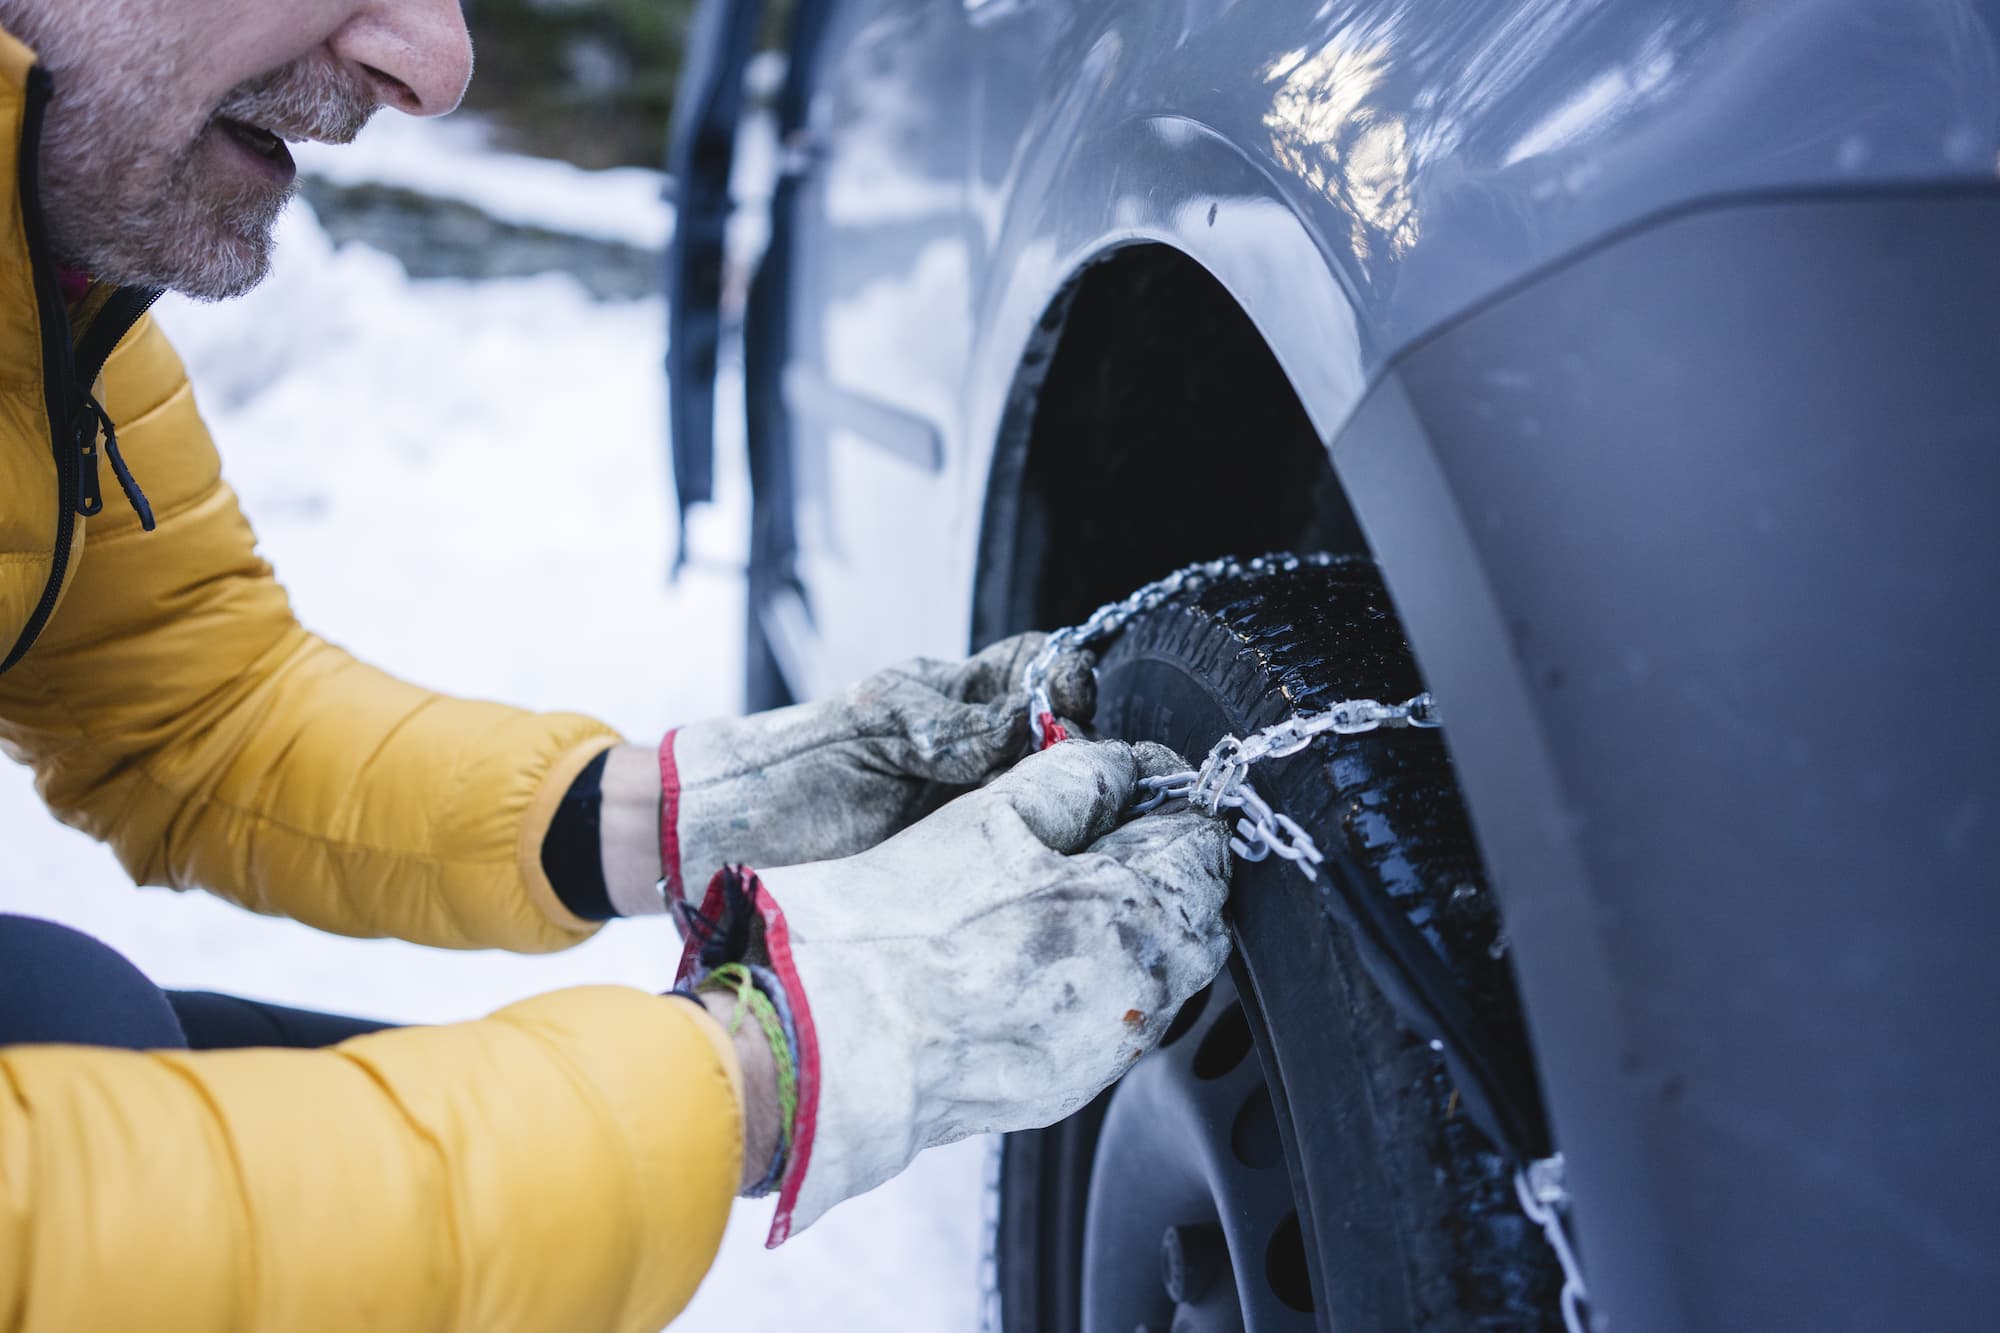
x,y
464,483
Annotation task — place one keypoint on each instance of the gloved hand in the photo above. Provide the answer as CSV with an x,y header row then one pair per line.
x,y
828,779
992,968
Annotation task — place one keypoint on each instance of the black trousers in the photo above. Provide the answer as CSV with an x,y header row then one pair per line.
x,y
61,985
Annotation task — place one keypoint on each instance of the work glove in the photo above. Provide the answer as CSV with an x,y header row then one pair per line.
x,y
828,779
990,969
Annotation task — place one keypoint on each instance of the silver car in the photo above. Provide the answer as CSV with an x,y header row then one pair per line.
x,y
1635,365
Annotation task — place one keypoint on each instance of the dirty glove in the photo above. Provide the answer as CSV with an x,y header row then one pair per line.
x,y
829,779
992,968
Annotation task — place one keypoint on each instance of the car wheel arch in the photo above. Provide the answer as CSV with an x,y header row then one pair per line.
x,y
1032,571
1112,459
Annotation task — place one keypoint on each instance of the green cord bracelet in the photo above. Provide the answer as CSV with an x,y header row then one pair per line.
x,y
734,979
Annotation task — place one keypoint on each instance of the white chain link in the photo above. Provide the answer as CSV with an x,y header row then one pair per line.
x,y
1543,1189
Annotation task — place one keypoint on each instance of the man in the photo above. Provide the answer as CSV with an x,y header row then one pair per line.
x,y
949,943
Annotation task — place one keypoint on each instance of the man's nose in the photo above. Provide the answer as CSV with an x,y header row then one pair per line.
x,y
416,52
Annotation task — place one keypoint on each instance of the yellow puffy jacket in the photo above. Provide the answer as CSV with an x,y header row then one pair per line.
x,y
566,1164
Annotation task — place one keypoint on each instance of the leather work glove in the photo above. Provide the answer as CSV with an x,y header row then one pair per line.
x,y
835,777
990,969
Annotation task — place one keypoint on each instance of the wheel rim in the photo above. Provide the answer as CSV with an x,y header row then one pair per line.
x,y
1192,1226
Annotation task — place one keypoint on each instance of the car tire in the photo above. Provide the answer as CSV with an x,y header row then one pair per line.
x,y
1294,1157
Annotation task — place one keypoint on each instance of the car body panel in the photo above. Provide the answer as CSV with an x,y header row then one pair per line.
x,y
1357,174
1702,624
707,110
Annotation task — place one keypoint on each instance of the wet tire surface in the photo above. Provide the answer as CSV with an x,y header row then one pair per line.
x,y
1293,1148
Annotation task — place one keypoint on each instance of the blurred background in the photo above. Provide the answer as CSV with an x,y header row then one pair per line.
x,y
445,414
589,81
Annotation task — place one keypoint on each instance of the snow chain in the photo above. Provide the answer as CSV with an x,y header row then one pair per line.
x,y
1223,783
1223,780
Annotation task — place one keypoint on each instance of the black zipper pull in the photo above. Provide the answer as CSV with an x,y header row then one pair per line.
x,y
94,418
90,500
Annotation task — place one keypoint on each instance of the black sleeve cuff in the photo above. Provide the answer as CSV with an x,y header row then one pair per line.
x,y
572,851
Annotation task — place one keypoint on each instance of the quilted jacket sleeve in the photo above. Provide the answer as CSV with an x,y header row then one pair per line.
x,y
176,710
565,1166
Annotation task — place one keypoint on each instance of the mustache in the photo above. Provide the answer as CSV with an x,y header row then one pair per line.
x,y
317,98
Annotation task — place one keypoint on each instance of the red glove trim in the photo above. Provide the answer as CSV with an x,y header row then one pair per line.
x,y
778,951
670,821
1053,732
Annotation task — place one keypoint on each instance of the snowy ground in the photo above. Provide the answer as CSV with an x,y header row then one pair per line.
x,y
465,484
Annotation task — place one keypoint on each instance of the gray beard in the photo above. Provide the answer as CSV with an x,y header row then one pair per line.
x,y
145,220
125,196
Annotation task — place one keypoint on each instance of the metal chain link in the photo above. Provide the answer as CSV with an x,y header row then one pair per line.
x,y
1223,780
1223,783
1543,1189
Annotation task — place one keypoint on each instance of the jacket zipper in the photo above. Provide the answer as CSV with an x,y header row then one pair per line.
x,y
62,366
127,307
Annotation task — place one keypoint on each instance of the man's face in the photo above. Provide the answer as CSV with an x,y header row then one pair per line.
x,y
163,157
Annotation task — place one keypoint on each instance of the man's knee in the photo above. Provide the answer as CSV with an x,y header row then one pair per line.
x,y
215,1022
61,985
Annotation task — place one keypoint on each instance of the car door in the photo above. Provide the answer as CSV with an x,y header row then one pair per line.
x,y
875,315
